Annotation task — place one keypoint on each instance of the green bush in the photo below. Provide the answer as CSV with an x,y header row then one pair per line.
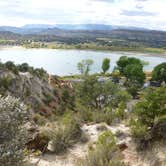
x,y
67,98
96,95
149,113
106,115
59,140
67,133
159,128
39,72
124,61
138,129
11,66
159,73
104,154
5,82
83,113
39,119
24,67
13,116
152,106
120,111
132,69
105,65
107,140
133,88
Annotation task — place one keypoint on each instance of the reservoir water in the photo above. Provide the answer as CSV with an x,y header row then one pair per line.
x,y
64,62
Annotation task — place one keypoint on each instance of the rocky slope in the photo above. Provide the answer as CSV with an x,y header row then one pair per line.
x,y
34,91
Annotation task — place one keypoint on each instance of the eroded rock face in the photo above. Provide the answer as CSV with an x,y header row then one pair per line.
x,y
35,92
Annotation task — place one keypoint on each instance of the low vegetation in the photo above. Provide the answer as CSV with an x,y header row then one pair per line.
x,y
97,96
64,134
132,69
105,65
159,73
99,45
91,100
150,112
114,40
84,66
104,153
13,116
9,65
100,102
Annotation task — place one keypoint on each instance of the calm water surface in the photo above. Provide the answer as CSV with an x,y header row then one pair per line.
x,y
64,62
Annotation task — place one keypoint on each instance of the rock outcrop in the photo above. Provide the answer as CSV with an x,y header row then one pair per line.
x,y
34,91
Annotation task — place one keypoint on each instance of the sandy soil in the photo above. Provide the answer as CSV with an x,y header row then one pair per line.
x,y
79,150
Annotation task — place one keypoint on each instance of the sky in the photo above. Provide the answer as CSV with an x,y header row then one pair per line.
x,y
140,13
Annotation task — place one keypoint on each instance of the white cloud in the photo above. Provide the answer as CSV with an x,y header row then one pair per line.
x,y
142,13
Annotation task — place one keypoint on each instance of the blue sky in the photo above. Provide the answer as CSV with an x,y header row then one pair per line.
x,y
141,13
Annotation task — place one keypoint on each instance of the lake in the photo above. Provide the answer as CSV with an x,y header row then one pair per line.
x,y
64,62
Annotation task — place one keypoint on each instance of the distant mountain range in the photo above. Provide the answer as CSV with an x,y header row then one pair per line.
x,y
38,28
94,27
84,33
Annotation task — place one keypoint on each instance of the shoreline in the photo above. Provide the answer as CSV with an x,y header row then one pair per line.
x,y
73,72
139,53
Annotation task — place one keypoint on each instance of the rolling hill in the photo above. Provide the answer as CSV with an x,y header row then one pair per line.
x,y
85,33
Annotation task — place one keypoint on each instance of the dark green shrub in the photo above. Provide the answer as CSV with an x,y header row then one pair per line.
x,y
159,128
39,72
11,66
132,69
148,113
5,82
159,73
120,111
96,95
13,116
67,98
24,67
152,106
133,88
125,61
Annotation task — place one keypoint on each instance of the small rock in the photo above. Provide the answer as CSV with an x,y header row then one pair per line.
x,y
122,146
